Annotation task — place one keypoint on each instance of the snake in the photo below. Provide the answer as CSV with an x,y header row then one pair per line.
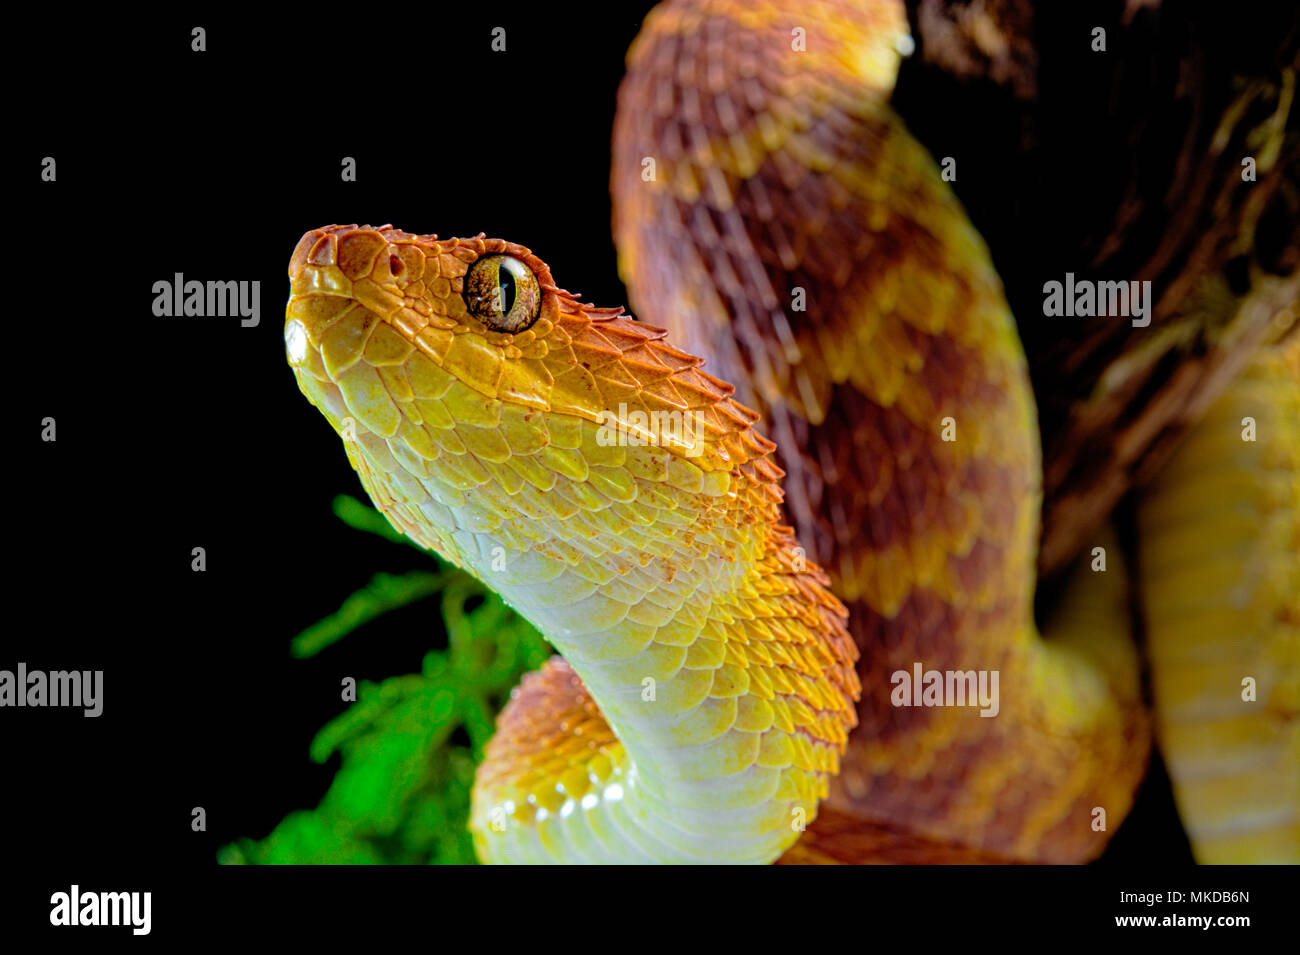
x,y
740,562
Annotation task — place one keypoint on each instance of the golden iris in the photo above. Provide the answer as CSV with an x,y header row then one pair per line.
x,y
503,293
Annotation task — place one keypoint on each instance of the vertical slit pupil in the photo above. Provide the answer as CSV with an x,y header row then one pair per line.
x,y
506,282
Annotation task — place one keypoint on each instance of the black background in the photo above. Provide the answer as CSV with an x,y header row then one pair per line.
x,y
176,433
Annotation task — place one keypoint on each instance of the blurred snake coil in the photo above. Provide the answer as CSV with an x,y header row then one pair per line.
x,y
722,697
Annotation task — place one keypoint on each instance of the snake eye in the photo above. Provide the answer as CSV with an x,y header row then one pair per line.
x,y
503,293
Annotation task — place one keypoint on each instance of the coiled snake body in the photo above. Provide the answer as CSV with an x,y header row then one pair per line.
x,y
714,689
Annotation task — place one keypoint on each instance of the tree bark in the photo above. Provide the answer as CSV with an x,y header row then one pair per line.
x,y
1123,163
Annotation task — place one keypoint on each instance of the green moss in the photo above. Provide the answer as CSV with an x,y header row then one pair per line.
x,y
402,792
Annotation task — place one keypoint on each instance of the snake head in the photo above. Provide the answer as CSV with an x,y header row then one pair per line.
x,y
488,411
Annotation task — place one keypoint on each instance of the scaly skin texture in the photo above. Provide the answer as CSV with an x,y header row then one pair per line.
x,y
790,229
1220,561
797,235
717,658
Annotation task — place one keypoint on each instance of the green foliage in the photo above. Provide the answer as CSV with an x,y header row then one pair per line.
x,y
402,792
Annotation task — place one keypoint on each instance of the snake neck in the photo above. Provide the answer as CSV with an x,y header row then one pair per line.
x,y
712,716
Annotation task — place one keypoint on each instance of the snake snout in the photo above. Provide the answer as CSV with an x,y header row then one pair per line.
x,y
354,253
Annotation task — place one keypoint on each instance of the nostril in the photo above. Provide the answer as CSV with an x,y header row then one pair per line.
x,y
395,265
